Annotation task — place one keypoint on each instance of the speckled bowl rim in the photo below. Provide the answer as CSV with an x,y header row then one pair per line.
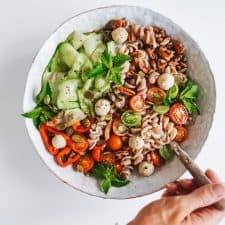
x,y
207,64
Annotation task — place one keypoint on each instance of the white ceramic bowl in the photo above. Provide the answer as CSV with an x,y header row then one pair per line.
x,y
199,71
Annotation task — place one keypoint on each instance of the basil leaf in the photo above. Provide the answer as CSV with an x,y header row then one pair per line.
x,y
116,182
186,88
100,69
166,152
120,59
99,170
106,184
115,75
36,122
46,90
190,105
33,114
106,59
190,91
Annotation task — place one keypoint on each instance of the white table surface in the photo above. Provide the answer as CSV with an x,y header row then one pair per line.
x,y
29,193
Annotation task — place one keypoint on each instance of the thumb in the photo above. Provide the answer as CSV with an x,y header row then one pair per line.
x,y
205,196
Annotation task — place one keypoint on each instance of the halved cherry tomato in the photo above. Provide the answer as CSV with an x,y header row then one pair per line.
x,y
108,158
118,168
118,127
84,164
181,134
66,157
80,143
137,103
115,142
178,113
96,152
82,126
156,95
156,159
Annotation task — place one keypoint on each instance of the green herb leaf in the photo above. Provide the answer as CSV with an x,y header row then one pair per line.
x,y
115,75
190,105
190,91
106,59
99,70
166,152
46,90
99,170
40,114
120,59
109,176
35,113
116,182
106,184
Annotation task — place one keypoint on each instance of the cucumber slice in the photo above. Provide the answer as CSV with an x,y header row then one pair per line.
x,y
112,48
85,104
88,85
87,64
96,55
57,65
72,74
162,109
67,97
173,91
92,42
67,54
54,80
100,82
67,104
76,39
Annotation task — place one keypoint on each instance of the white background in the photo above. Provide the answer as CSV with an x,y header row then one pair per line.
x,y
29,193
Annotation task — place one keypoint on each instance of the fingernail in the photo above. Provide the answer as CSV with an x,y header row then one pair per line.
x,y
219,189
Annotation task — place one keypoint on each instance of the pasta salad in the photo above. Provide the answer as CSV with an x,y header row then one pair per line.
x,y
112,100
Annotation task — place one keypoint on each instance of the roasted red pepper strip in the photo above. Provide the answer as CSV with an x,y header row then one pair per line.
x,y
83,126
45,130
96,152
66,157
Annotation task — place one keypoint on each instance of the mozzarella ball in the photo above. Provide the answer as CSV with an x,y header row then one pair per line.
x,y
136,142
58,141
146,169
102,107
119,35
166,81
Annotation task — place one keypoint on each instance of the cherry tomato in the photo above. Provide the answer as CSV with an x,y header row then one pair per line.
x,y
156,95
118,168
108,158
80,143
84,164
115,142
137,103
181,134
156,159
118,127
82,126
96,152
178,113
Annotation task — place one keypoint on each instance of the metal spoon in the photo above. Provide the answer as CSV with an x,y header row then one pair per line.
x,y
195,171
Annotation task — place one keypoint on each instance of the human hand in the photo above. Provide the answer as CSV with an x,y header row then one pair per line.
x,y
184,204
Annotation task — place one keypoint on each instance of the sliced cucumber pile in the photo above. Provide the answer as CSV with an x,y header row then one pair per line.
x,y
67,70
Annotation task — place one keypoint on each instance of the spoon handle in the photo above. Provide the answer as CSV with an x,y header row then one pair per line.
x,y
195,171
